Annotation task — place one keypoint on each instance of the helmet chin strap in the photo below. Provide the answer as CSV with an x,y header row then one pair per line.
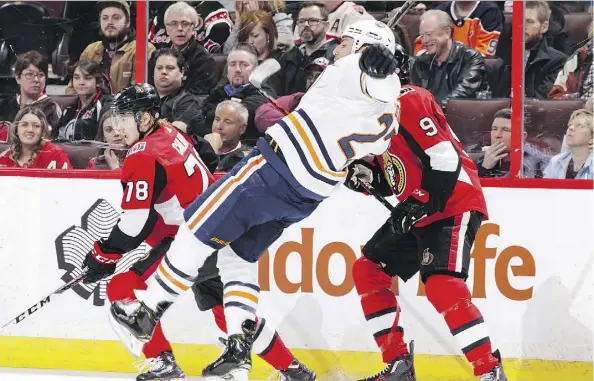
x,y
142,134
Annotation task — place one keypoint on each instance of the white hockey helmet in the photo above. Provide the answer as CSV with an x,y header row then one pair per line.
x,y
370,32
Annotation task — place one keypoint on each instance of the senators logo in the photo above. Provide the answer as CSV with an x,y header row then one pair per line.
x,y
394,172
73,245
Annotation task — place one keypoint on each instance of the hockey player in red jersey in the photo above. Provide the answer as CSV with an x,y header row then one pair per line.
x,y
161,175
431,230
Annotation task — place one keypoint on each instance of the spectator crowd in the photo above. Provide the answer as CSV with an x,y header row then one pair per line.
x,y
201,55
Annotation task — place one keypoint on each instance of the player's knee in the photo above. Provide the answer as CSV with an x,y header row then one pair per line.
x,y
368,276
445,292
122,286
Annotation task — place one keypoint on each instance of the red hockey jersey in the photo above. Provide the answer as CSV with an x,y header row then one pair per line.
x,y
425,143
51,156
161,175
479,30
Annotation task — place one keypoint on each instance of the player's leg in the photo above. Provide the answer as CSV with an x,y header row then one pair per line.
x,y
387,255
445,257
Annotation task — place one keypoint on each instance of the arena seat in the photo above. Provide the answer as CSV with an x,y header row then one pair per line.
x,y
379,16
576,26
79,155
471,120
410,23
549,116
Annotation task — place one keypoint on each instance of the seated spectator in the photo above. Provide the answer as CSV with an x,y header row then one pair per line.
x,y
543,62
478,24
117,50
576,162
211,30
496,161
30,72
28,146
448,69
108,158
576,79
342,14
230,123
200,68
177,105
80,119
240,64
282,21
268,114
313,26
258,30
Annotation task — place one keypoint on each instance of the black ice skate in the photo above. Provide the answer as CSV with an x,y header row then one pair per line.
x,y
400,369
297,372
497,373
134,322
161,368
237,356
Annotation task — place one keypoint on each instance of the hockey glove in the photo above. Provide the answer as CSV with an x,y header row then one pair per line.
x,y
410,211
100,262
378,62
356,173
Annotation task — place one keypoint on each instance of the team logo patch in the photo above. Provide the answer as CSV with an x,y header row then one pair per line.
x,y
395,172
427,258
73,245
137,148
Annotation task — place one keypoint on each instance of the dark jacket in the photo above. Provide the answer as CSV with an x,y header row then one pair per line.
x,y
248,95
9,107
79,123
228,160
461,76
200,69
544,63
179,106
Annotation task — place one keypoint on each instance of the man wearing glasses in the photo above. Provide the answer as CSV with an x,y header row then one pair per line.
x,y
312,26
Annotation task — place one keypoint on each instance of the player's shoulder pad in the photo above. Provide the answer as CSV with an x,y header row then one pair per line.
x,y
138,147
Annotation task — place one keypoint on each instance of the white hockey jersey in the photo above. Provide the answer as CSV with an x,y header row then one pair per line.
x,y
344,116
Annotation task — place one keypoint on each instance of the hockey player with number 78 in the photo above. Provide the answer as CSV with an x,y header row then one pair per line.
x,y
431,231
299,163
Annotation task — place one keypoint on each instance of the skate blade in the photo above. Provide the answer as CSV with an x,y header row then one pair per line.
x,y
234,375
132,344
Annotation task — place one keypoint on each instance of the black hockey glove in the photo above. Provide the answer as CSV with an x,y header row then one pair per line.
x,y
100,262
410,211
357,172
378,62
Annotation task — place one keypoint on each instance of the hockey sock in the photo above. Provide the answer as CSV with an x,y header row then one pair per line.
x,y
178,269
380,308
451,298
219,315
270,347
122,287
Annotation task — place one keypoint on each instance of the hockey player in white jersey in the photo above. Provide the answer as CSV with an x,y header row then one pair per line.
x,y
350,112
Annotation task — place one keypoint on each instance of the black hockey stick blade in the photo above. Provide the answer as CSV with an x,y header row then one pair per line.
x,y
401,12
371,190
43,302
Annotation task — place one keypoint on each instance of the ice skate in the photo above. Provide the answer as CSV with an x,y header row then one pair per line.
x,y
497,373
134,322
160,368
399,369
236,360
297,372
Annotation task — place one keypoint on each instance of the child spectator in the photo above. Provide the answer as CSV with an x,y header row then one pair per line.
x,y
79,120
28,147
108,158
576,162
30,72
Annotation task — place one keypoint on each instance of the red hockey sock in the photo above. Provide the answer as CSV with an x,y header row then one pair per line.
x,y
271,348
380,308
121,287
219,315
451,298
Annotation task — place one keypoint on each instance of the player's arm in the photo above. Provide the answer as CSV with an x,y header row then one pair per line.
x,y
143,179
426,131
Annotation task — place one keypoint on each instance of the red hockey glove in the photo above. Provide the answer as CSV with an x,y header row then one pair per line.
x,y
410,211
100,262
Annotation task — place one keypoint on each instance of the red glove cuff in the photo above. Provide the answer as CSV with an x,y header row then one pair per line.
x,y
102,257
420,195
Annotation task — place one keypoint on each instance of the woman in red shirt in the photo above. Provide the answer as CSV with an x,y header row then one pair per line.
x,y
28,148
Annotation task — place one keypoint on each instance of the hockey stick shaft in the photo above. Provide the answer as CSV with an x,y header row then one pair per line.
x,y
43,302
371,190
401,12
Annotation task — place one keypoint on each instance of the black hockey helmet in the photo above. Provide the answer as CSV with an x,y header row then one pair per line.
x,y
137,99
403,60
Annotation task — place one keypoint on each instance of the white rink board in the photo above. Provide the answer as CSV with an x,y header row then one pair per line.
x,y
554,226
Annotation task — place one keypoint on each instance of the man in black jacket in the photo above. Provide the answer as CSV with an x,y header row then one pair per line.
x,y
448,69
543,62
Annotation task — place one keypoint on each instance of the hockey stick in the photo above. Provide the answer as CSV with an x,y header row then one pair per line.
x,y
401,12
371,190
37,306
91,143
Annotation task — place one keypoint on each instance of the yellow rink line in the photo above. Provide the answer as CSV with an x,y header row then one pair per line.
x,y
90,355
